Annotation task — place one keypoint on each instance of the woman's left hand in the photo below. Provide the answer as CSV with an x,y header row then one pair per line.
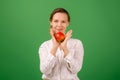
x,y
63,45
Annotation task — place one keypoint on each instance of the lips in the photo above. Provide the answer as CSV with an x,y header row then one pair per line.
x,y
59,30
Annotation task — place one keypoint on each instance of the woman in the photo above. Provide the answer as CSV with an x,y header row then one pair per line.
x,y
60,61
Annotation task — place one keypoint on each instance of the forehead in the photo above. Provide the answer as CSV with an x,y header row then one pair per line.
x,y
62,16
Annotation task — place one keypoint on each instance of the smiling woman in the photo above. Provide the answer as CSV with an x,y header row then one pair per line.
x,y
60,60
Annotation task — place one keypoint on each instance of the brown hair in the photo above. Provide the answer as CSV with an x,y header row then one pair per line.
x,y
59,10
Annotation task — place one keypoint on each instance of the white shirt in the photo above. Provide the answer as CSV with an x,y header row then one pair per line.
x,y
57,67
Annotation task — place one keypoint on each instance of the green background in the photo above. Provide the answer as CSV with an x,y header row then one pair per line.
x,y
24,25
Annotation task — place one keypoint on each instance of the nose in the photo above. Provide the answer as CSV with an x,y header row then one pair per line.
x,y
59,24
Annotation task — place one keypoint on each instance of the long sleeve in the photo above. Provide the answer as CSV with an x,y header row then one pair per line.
x,y
74,59
57,67
47,60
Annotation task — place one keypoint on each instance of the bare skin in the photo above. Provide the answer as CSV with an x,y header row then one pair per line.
x,y
59,23
62,45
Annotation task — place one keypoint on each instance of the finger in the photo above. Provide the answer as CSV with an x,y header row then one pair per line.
x,y
68,35
70,31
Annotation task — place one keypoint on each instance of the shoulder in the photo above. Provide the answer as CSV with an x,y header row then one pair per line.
x,y
46,43
75,41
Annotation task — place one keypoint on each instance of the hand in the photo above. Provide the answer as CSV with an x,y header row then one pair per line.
x,y
63,45
67,37
55,43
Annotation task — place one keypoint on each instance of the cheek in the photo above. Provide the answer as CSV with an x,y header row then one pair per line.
x,y
53,28
53,24
65,26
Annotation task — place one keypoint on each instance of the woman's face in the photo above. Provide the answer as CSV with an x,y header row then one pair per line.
x,y
59,22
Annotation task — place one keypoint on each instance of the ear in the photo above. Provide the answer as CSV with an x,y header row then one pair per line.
x,y
50,24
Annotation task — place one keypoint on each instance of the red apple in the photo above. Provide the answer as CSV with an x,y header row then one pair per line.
x,y
59,36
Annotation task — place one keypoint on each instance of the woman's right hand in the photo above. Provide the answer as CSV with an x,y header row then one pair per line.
x,y
55,43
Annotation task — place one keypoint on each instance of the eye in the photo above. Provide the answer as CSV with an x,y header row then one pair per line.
x,y
63,21
55,20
